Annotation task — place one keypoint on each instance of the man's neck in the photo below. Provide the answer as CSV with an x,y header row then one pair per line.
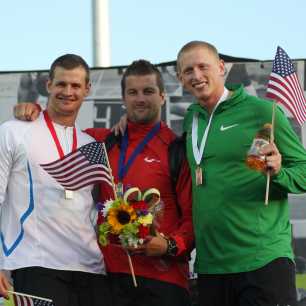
x,y
64,120
213,100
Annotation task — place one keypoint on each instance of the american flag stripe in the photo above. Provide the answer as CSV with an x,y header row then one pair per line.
x,y
76,165
276,96
280,91
83,170
87,182
72,175
80,177
297,90
284,86
58,173
74,157
289,90
86,166
301,102
283,99
21,300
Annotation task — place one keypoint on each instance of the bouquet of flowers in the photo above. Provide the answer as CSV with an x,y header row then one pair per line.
x,y
130,220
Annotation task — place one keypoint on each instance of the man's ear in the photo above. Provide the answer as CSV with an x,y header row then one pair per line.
x,y
48,84
163,96
179,77
88,88
123,103
222,67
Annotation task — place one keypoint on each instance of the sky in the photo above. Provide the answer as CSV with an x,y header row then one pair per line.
x,y
34,32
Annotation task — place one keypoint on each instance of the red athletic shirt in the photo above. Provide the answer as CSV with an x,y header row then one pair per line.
x,y
151,170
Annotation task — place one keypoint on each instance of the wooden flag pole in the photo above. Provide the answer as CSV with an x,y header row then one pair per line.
x,y
271,141
131,268
110,172
115,194
116,197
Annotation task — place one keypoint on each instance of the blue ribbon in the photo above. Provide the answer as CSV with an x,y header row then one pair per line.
x,y
123,168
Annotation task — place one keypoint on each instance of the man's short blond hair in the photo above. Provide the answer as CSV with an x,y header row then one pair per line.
x,y
195,44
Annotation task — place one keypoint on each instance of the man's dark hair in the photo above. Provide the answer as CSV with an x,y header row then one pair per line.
x,y
139,68
69,62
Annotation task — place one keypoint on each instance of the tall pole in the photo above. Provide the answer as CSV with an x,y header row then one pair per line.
x,y
101,33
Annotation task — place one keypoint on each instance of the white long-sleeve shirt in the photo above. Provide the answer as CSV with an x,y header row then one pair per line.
x,y
39,227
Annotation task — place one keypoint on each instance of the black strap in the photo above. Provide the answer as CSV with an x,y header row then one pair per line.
x,y
111,139
176,156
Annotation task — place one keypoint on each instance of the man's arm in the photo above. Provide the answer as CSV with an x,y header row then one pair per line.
x,y
6,161
183,236
99,134
291,176
4,285
27,111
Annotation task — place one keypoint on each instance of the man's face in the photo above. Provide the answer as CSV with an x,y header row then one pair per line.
x,y
67,91
143,99
201,73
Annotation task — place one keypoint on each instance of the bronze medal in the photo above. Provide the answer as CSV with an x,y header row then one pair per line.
x,y
198,176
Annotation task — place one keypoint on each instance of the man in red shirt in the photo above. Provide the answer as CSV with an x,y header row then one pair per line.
x,y
161,264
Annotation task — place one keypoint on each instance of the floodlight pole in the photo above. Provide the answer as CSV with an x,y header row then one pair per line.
x,y
101,33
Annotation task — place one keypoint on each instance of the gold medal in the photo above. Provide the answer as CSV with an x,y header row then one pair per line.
x,y
68,194
198,176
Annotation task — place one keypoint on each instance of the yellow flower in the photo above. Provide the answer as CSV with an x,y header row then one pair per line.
x,y
119,216
146,220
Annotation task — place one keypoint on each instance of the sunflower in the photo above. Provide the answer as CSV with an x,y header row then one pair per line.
x,y
119,216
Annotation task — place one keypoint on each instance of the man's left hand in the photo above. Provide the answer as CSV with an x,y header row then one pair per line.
x,y
153,246
156,245
273,158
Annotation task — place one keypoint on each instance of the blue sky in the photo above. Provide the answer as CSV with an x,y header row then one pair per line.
x,y
34,32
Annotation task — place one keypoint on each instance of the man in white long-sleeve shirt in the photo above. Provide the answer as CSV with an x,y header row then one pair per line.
x,y
47,238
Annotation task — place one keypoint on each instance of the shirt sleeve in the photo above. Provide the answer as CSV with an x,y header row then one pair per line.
x,y
184,236
292,176
6,160
99,134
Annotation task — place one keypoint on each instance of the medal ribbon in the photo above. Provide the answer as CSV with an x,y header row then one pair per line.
x,y
55,138
198,152
123,168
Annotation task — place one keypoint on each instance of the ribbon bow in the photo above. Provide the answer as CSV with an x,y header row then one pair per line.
x,y
153,202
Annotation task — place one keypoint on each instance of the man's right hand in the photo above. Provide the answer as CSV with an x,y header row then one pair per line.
x,y
119,127
4,285
27,111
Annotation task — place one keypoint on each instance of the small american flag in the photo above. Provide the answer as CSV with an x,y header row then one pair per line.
x,y
284,86
20,299
85,166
